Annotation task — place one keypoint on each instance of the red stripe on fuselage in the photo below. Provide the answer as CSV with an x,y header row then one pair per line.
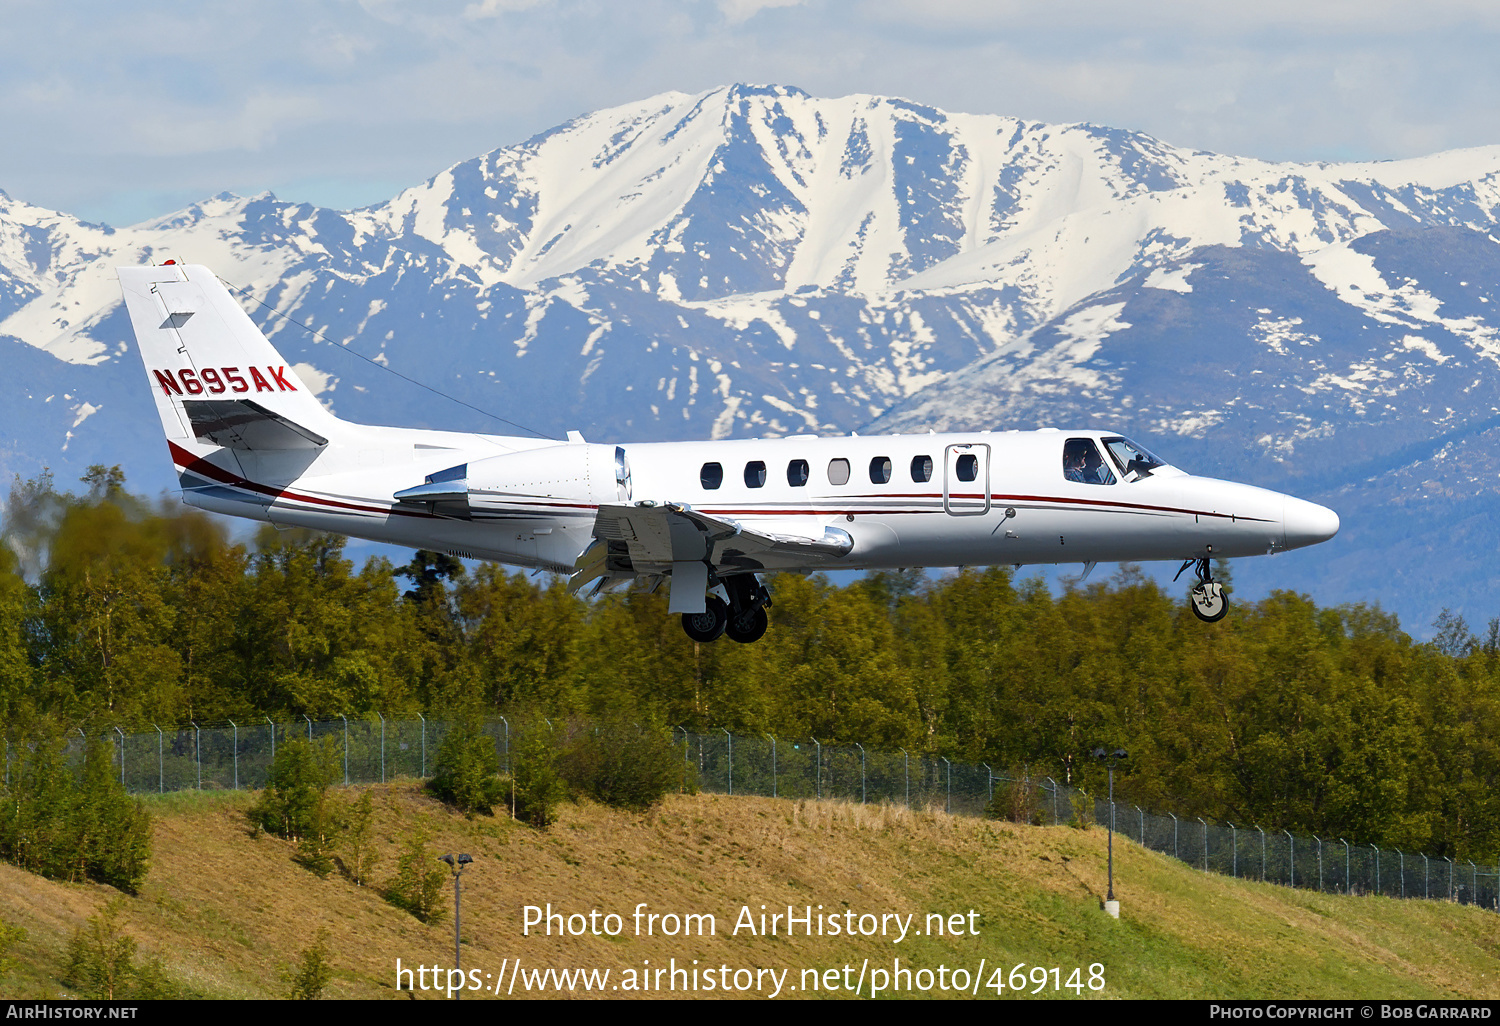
x,y
203,467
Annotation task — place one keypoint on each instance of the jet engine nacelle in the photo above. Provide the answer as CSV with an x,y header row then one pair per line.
x,y
576,472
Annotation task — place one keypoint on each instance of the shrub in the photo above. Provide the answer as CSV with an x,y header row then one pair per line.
x,y
74,825
536,780
417,886
621,764
306,982
101,962
467,770
1015,800
10,936
1083,812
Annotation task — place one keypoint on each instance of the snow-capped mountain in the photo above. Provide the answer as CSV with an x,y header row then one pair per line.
x,y
759,261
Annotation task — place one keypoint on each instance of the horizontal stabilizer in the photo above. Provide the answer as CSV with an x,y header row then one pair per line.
x,y
245,424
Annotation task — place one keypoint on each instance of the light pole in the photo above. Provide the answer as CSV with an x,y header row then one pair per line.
x,y
1111,760
457,863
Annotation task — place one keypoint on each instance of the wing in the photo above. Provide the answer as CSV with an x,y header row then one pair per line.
x,y
647,538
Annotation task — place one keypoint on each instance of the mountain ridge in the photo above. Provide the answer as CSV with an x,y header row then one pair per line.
x,y
757,261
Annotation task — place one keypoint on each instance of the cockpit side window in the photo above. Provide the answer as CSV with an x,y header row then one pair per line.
x,y
1082,463
1134,462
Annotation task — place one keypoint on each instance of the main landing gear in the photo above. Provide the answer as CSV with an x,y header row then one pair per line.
x,y
743,618
1207,596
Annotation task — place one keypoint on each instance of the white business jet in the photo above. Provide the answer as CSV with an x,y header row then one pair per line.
x,y
249,439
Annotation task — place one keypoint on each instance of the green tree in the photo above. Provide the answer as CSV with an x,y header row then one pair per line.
x,y
312,973
536,780
417,886
296,805
73,823
467,768
357,838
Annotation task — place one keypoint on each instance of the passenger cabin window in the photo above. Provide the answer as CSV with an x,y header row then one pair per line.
x,y
1082,463
967,467
921,469
712,475
880,470
838,472
796,473
1134,462
755,474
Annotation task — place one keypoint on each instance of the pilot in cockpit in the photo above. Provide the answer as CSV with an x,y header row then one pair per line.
x,y
1082,463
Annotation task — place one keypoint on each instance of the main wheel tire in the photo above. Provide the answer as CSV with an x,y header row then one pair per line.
x,y
1209,602
749,627
710,624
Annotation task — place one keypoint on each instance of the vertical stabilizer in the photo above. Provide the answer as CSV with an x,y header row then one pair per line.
x,y
207,363
240,424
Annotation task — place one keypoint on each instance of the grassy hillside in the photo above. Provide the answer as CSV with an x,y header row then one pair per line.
x,y
225,910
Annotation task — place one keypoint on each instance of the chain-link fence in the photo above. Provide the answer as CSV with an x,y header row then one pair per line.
x,y
239,755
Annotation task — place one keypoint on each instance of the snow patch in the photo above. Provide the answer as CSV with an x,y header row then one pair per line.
x,y
1173,280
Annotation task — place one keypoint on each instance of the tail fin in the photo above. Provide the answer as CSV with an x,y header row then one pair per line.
x,y
218,381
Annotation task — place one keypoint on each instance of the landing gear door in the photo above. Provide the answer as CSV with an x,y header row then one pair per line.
x,y
966,480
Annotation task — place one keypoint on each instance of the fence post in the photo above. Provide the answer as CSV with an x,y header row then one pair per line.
x,y
861,771
1054,802
1426,877
1346,866
273,741
507,746
1262,853
948,801
161,776
1401,869
1291,858
423,771
820,767
1141,817
773,765
989,784
198,751
1450,876
1474,885
1234,855
1205,844
122,758
906,773
346,748
1320,862
309,727
1377,869
236,754
1174,834
382,744
731,759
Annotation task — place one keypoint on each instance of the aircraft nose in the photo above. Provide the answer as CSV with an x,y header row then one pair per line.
x,y
1307,523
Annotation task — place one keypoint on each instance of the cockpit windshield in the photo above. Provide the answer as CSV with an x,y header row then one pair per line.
x,y
1134,461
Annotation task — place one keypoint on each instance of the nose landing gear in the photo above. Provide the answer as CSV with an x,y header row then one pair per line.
x,y
1207,597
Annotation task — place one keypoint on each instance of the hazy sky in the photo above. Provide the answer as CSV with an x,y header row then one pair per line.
x,y
120,111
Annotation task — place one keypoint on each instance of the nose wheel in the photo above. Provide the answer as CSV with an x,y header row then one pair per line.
x,y
1207,597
